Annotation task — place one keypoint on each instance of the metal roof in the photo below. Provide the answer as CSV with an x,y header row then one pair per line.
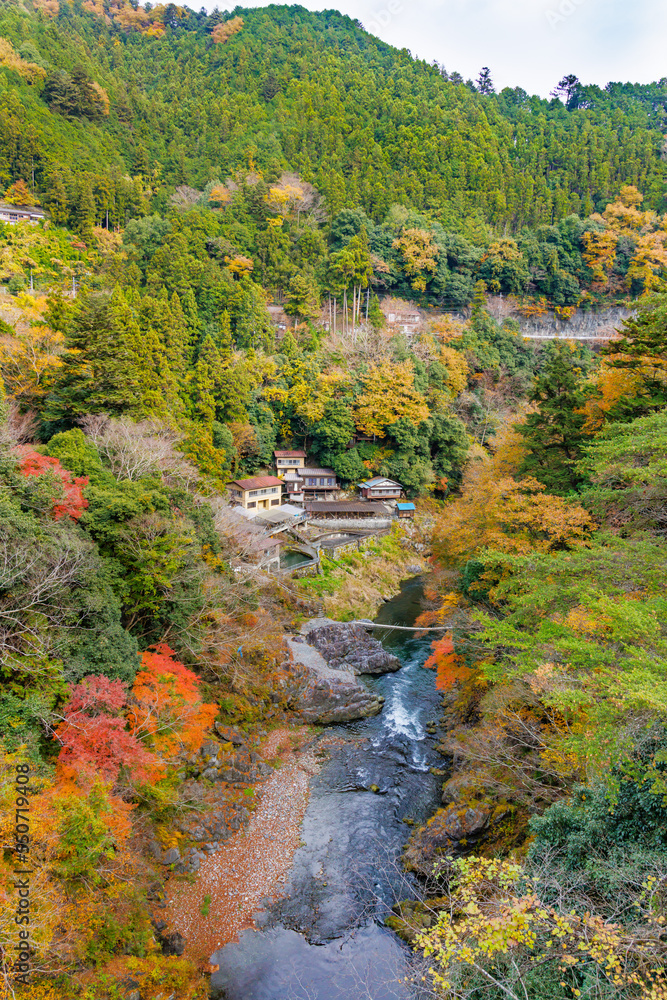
x,y
256,483
292,510
378,480
289,454
275,516
345,507
405,506
317,472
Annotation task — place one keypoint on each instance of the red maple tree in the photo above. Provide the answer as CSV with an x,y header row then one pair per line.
x,y
94,741
449,666
68,499
167,710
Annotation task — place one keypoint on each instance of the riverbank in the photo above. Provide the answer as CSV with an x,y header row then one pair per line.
x,y
248,871
324,935
357,584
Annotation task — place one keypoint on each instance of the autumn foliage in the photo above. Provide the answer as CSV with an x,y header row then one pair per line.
x,y
68,499
167,712
107,732
224,31
449,666
94,737
510,516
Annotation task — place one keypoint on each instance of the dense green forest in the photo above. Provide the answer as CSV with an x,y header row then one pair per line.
x,y
367,125
234,201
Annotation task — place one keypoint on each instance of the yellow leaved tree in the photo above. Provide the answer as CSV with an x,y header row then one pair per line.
x,y
388,395
420,256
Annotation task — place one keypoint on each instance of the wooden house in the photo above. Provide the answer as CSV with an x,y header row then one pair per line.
x,y
21,213
301,485
293,487
289,461
319,484
380,488
258,493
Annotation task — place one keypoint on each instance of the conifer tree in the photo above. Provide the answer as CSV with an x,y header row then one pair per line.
x,y
99,371
485,83
111,365
85,210
643,352
554,435
202,390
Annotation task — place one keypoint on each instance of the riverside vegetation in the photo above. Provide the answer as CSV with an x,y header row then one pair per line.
x,y
307,166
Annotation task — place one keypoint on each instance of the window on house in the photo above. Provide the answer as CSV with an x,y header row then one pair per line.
x,y
253,504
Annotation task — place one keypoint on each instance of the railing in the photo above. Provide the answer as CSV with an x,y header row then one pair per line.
x,y
402,628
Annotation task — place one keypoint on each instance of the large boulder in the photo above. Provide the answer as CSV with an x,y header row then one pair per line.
x,y
323,695
456,829
322,701
349,647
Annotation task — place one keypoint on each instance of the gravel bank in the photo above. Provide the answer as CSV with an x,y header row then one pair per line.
x,y
250,868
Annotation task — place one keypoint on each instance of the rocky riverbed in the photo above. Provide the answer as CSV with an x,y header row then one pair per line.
x,y
294,892
325,936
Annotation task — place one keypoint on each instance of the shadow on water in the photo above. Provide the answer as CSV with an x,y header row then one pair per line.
x,y
326,940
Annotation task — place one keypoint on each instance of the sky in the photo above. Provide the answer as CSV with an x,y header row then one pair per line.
x,y
525,43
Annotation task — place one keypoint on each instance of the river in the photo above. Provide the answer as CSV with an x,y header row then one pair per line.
x,y
326,939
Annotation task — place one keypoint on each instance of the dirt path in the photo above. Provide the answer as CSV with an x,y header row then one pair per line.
x,y
253,865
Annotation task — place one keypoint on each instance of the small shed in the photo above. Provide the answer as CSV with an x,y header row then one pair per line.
x,y
406,509
269,549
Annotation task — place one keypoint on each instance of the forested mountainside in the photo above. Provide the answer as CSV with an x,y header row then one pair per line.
x,y
226,210
186,98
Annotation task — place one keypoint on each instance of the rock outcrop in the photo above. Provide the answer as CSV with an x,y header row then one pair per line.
x,y
456,829
321,694
349,647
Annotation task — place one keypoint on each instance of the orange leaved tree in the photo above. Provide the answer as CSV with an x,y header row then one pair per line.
x,y
167,712
449,666
94,738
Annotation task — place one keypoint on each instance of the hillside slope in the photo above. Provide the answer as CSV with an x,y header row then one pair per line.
x,y
191,100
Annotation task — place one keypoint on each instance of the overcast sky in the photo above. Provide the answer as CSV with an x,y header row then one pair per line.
x,y
526,43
